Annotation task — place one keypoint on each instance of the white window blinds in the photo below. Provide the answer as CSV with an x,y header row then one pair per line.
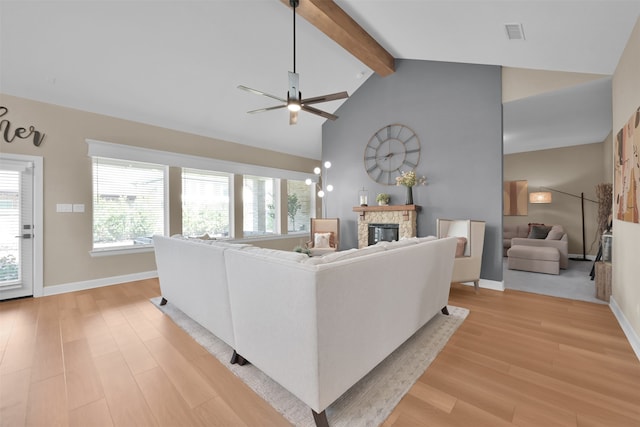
x,y
128,202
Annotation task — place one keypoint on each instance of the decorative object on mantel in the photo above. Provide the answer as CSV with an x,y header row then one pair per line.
x,y
390,148
363,197
383,199
408,180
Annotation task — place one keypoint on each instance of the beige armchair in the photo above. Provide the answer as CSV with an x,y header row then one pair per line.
x,y
468,262
324,236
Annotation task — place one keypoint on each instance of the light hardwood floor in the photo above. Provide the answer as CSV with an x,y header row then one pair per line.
x,y
108,357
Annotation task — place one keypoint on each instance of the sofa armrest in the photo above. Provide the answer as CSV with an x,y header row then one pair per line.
x,y
562,245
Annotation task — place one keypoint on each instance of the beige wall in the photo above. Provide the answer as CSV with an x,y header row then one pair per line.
x,y
67,179
572,170
626,241
520,83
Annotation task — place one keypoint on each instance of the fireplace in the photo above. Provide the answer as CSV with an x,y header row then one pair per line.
x,y
382,232
404,217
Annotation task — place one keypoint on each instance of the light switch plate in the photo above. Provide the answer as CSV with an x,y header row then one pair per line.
x,y
78,207
64,207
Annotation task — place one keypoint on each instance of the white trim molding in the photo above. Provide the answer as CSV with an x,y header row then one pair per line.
x,y
129,152
38,217
628,330
98,283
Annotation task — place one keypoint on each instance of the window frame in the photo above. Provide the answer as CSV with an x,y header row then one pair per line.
x,y
170,159
230,191
126,249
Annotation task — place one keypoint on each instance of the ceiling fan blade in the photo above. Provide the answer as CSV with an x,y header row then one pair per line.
x,y
258,92
319,112
325,98
260,110
293,117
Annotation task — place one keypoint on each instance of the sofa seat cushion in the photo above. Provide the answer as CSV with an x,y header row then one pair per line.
x,y
534,253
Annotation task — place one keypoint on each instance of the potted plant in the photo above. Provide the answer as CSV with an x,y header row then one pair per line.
x,y
383,199
302,250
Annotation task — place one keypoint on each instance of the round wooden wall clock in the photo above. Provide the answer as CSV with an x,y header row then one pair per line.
x,y
390,151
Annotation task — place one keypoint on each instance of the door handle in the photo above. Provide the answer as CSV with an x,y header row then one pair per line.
x,y
24,236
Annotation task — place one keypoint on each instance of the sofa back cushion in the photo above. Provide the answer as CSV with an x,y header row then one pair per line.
x,y
511,231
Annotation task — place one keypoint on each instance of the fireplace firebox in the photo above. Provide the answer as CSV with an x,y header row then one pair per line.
x,y
382,232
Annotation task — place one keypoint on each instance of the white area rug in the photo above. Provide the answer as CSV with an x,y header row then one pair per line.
x,y
370,401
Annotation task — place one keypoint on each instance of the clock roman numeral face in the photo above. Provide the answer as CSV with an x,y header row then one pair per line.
x,y
390,151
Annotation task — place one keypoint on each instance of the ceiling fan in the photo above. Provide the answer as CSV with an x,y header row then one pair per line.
x,y
294,101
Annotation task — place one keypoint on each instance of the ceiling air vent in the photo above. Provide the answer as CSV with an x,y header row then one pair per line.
x,y
514,31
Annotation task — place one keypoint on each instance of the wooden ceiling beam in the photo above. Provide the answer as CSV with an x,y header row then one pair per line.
x,y
329,18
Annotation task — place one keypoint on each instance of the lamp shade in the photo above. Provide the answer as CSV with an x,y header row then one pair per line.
x,y
540,197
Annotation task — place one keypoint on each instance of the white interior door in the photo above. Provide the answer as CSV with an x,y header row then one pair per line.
x,y
16,228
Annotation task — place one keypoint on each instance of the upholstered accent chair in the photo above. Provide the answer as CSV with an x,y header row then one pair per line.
x,y
468,261
324,236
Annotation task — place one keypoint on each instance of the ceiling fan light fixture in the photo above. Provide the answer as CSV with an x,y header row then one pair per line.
x,y
293,105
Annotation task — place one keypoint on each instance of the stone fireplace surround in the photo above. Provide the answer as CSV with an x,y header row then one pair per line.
x,y
405,216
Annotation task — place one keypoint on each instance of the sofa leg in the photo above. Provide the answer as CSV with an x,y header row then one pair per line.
x,y
236,358
320,419
164,301
476,285
445,310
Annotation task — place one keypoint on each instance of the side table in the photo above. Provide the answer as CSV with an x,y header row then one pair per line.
x,y
603,280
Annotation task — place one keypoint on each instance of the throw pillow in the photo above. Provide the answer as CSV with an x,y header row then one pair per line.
x,y
531,224
321,240
462,243
555,233
539,231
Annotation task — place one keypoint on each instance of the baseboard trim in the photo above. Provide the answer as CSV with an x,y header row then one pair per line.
x,y
589,257
632,336
494,285
97,283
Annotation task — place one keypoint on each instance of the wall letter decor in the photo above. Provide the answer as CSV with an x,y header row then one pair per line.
x,y
22,133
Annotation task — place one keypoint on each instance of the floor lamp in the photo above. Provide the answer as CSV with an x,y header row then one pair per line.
x,y
545,197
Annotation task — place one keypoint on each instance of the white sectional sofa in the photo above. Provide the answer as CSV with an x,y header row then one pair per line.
x,y
314,325
193,277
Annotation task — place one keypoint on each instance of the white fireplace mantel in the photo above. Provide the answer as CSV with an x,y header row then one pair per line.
x,y
404,215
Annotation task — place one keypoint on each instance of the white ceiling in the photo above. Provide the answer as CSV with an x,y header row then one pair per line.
x,y
177,64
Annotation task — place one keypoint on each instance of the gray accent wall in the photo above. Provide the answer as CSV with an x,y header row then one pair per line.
x,y
456,111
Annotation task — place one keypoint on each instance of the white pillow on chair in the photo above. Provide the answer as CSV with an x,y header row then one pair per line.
x,y
321,240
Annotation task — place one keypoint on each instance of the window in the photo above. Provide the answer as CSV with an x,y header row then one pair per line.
x,y
205,203
260,202
299,206
128,202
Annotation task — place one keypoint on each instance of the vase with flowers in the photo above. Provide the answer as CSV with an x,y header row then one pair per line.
x,y
409,180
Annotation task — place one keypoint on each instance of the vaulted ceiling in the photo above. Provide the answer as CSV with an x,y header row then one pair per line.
x,y
177,64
